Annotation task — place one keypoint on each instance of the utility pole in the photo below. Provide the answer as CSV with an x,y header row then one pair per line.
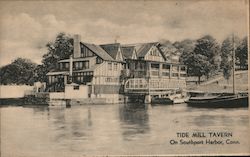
x,y
233,65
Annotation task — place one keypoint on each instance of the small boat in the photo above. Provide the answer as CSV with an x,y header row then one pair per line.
x,y
179,97
166,101
174,97
219,101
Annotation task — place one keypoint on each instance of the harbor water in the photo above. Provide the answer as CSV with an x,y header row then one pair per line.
x,y
119,129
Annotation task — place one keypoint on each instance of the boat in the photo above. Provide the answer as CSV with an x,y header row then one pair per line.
x,y
219,101
179,97
174,97
223,100
165,101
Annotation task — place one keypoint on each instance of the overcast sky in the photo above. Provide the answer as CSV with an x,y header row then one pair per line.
x,y
25,27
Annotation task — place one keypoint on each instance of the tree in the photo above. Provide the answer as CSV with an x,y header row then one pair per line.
x,y
20,71
186,47
61,48
242,54
227,54
204,59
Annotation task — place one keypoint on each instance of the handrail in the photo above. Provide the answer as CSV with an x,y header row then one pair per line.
x,y
154,84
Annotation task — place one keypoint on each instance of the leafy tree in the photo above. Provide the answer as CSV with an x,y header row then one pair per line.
x,y
242,54
20,71
59,49
205,58
186,47
227,54
40,73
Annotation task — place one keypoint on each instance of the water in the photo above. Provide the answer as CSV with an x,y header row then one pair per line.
x,y
116,129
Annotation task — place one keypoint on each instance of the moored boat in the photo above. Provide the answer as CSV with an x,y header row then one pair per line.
x,y
175,97
220,101
165,101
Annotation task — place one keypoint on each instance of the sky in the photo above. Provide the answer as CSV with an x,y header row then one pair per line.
x,y
26,26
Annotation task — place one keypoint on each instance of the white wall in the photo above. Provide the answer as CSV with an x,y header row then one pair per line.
x,y
56,95
71,93
14,91
110,98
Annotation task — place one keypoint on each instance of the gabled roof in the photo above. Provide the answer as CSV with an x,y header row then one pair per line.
x,y
127,51
111,49
98,51
143,50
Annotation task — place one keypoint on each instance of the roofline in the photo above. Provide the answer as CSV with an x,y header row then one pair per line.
x,y
109,44
94,52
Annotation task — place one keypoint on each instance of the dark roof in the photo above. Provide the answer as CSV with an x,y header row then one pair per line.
x,y
111,49
127,51
98,51
143,50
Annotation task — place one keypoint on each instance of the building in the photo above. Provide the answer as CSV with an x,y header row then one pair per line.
x,y
105,73
148,72
91,72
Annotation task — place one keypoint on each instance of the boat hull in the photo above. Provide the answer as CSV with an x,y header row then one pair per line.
x,y
233,102
165,101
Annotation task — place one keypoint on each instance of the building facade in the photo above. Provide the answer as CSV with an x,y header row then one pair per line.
x,y
108,71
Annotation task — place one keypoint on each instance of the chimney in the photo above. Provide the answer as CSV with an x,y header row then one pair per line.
x,y
77,48
70,65
70,68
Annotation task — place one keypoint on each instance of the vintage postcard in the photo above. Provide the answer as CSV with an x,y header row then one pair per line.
x,y
124,78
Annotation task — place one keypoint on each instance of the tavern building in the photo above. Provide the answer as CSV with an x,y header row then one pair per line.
x,y
108,73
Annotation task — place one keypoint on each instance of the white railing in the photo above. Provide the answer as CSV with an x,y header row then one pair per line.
x,y
154,84
136,83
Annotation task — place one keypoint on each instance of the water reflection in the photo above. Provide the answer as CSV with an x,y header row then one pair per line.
x,y
70,123
134,120
114,129
37,109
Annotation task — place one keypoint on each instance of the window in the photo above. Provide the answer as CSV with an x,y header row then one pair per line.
x,y
110,66
175,74
154,52
115,66
85,65
142,65
165,74
60,66
165,66
155,66
66,65
50,79
183,68
80,65
183,75
76,65
136,65
155,73
108,79
76,87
